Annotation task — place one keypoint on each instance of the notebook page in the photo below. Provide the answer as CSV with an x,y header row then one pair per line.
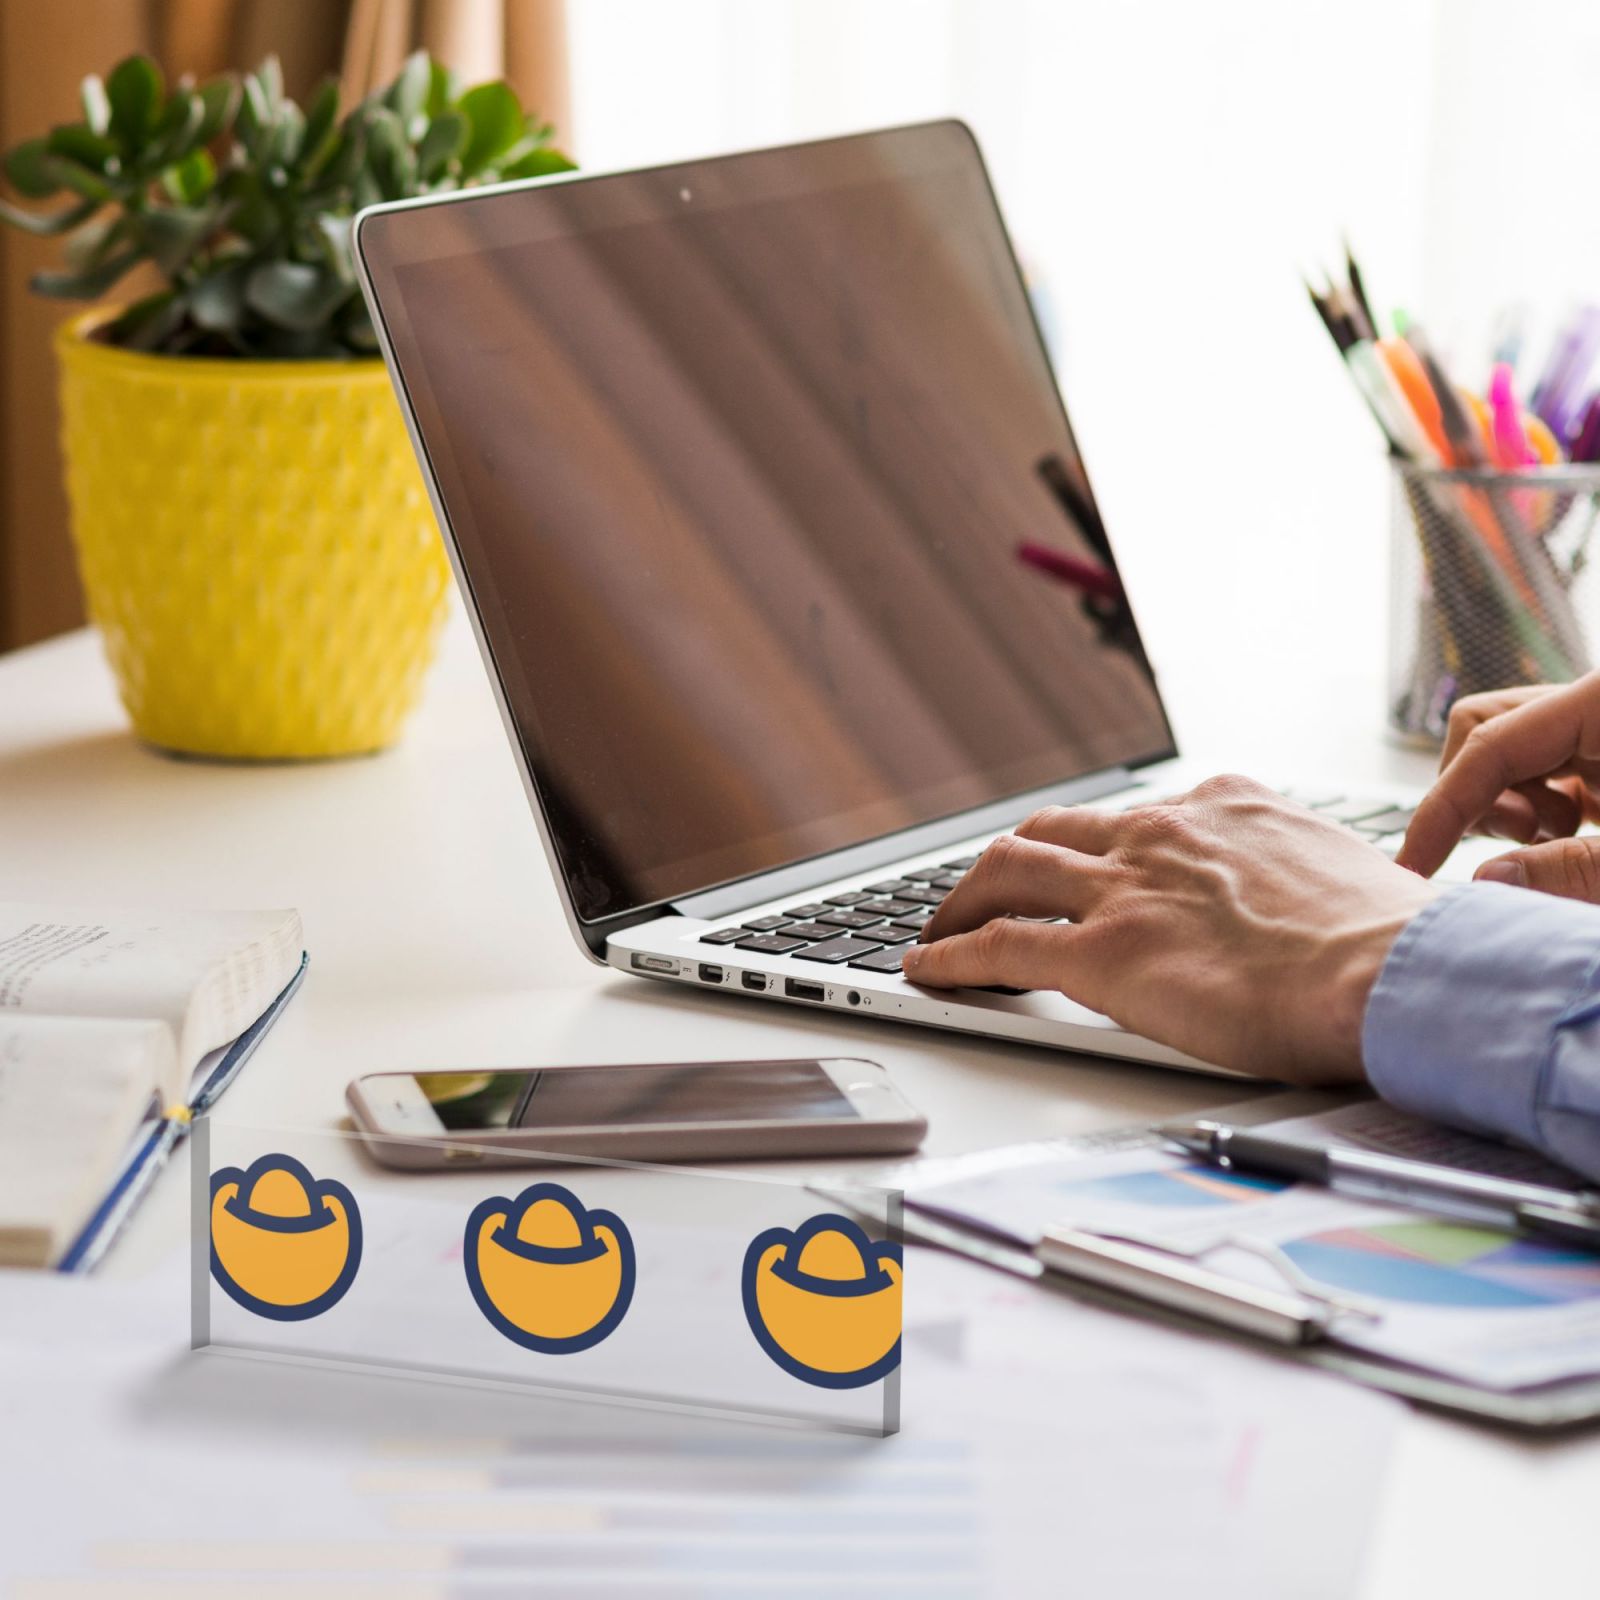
x,y
207,975
72,1091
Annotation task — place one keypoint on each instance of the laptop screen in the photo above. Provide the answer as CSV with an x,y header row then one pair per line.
x,y
764,494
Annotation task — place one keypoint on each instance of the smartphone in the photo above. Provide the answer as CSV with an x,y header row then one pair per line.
x,y
667,1111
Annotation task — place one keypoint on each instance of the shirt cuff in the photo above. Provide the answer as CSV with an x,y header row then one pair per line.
x,y
1464,1013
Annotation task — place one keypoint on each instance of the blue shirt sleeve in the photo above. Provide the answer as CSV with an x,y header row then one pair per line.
x,y
1486,1015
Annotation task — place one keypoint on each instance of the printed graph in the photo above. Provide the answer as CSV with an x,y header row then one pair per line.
x,y
1186,1187
1447,1264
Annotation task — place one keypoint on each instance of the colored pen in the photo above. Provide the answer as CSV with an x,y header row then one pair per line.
x,y
1528,1208
1388,404
1412,382
1511,445
1557,399
1586,447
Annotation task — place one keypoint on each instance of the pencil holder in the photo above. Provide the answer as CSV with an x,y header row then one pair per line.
x,y
1487,586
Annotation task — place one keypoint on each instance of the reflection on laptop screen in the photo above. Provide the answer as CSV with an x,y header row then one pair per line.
x,y
739,457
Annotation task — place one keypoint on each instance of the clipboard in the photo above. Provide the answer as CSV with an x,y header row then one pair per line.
x,y
1544,1409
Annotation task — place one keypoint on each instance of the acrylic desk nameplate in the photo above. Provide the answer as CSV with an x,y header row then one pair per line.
x,y
675,1288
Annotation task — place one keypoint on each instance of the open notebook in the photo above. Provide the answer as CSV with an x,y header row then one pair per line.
x,y
113,1024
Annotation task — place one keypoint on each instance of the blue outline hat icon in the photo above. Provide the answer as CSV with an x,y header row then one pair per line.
x,y
835,1326
546,1272
293,1240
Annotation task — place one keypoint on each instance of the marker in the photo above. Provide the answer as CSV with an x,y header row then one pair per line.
x,y
1412,382
1586,447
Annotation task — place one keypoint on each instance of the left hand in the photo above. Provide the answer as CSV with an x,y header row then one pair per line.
x,y
1231,923
1522,764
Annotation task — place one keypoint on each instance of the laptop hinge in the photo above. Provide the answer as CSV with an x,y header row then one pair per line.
x,y
804,875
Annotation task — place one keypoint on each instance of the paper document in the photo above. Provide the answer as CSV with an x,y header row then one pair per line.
x,y
1042,1442
1474,1303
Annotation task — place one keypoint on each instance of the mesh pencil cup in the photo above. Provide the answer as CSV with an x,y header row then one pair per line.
x,y
1488,586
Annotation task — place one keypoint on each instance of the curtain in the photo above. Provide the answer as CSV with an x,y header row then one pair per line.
x,y
46,48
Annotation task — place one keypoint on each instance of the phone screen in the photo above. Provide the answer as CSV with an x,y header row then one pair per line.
x,y
696,1092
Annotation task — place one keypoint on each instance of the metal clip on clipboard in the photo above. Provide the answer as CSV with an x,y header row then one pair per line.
x,y
1281,1315
1134,1271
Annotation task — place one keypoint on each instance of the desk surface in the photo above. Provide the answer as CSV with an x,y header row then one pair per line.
x,y
437,940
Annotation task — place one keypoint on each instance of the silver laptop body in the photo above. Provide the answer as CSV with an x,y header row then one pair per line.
x,y
781,555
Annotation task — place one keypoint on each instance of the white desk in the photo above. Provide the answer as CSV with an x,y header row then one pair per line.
x,y
429,911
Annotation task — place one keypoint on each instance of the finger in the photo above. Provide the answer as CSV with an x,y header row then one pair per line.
x,y
1566,867
1471,710
1019,877
1585,788
1020,955
1534,739
1510,817
1531,812
1077,827
1556,813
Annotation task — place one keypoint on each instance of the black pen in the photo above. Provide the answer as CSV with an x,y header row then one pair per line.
x,y
1555,1215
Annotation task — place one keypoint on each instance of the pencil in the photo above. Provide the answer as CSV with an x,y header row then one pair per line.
x,y
1358,290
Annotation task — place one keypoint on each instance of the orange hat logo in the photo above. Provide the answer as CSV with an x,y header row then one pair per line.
x,y
283,1245
547,1273
824,1301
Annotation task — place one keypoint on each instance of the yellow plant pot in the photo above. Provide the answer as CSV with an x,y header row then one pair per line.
x,y
256,546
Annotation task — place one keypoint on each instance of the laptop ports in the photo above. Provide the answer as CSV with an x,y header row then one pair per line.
x,y
662,964
799,989
709,973
753,981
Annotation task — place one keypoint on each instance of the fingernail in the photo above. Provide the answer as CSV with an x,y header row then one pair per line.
x,y
1512,872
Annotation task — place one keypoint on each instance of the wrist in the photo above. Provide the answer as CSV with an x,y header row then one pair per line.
x,y
1357,957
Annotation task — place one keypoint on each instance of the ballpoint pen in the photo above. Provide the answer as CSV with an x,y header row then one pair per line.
x,y
1554,1215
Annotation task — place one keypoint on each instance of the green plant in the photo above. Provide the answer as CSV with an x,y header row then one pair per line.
x,y
243,201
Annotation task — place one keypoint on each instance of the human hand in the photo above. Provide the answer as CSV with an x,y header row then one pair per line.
x,y
1521,764
1231,924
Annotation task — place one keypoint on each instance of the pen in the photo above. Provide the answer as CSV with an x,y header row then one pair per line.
x,y
1554,1215
1586,447
1387,403
1412,381
1560,653
1510,439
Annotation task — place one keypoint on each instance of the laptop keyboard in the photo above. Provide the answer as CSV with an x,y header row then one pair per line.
x,y
866,927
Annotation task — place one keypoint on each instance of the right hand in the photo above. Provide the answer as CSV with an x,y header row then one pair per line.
x,y
1520,764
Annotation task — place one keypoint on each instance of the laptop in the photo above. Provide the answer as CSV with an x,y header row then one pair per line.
x,y
781,555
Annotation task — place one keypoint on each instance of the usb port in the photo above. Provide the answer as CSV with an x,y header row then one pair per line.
x,y
753,980
709,973
799,989
643,963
